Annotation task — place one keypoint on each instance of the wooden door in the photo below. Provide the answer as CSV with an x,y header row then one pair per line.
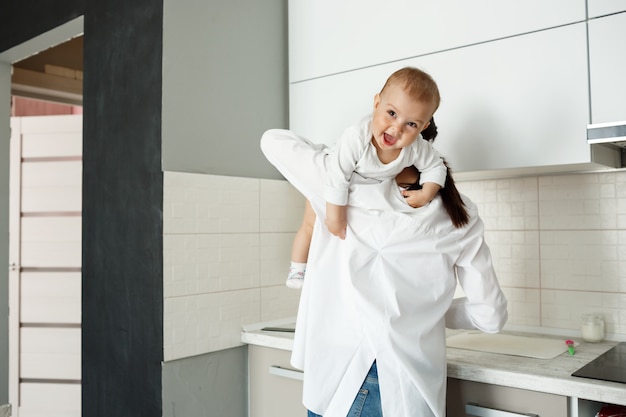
x,y
45,266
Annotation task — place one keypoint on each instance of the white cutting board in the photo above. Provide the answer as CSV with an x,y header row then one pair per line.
x,y
530,347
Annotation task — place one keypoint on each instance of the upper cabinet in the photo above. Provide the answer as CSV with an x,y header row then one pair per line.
x,y
514,103
515,84
511,103
597,8
329,37
607,66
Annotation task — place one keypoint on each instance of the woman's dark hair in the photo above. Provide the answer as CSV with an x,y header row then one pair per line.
x,y
430,133
450,196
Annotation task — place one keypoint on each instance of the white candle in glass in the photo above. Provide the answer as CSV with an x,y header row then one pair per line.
x,y
592,328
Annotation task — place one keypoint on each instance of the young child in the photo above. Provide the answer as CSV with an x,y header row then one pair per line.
x,y
387,143
408,180
382,145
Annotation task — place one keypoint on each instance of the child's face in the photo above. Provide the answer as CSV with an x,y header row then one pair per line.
x,y
398,119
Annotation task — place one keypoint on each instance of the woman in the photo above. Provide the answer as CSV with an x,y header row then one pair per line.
x,y
380,300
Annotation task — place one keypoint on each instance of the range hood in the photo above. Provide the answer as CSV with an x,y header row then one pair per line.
x,y
613,133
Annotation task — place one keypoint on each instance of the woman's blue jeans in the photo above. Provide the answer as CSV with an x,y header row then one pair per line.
x,y
367,401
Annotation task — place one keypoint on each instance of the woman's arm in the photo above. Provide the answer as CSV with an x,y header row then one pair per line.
x,y
484,307
300,161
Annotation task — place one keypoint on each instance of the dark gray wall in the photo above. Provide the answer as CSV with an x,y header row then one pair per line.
x,y
22,20
122,209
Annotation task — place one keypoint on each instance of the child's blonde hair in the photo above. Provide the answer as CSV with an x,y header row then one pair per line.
x,y
418,85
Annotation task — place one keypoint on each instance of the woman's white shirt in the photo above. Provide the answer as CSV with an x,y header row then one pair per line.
x,y
385,293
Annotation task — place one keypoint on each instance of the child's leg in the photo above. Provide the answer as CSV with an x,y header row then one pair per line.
x,y
300,248
302,241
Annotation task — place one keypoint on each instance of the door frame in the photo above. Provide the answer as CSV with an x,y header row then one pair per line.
x,y
33,46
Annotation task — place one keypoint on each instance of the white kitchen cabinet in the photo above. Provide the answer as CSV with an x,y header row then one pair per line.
x,y
516,103
597,8
495,397
329,37
607,66
275,387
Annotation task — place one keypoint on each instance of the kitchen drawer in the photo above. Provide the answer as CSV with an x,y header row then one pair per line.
x,y
275,387
496,400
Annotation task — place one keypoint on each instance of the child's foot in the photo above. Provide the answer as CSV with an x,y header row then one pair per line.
x,y
295,283
295,279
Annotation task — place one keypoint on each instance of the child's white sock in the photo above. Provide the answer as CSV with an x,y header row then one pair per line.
x,y
295,279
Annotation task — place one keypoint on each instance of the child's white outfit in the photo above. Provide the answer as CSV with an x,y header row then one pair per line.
x,y
355,153
385,293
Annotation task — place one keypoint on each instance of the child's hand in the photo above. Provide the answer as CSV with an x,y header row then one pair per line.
x,y
336,220
419,198
416,198
336,227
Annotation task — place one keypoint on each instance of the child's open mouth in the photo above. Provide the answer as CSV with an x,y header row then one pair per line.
x,y
389,140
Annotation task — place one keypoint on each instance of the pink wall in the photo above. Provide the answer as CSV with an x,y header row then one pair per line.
x,y
21,106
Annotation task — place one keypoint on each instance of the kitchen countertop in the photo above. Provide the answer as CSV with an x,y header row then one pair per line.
x,y
253,335
551,376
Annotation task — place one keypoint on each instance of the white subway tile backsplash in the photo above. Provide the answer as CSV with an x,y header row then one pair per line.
x,y
275,249
515,257
564,309
507,204
524,306
278,302
202,323
558,245
562,237
579,202
218,254
281,208
196,203
581,260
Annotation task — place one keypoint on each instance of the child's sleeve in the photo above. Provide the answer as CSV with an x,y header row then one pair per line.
x,y
342,162
429,163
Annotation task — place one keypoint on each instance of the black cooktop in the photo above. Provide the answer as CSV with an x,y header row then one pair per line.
x,y
610,366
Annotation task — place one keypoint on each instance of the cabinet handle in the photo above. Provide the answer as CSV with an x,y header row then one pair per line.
x,y
286,373
476,410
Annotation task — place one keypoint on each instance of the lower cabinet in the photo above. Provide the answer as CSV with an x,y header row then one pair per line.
x,y
467,398
275,387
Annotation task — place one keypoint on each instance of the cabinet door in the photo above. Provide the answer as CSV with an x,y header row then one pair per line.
x,y
607,66
328,37
513,103
597,8
512,400
275,387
